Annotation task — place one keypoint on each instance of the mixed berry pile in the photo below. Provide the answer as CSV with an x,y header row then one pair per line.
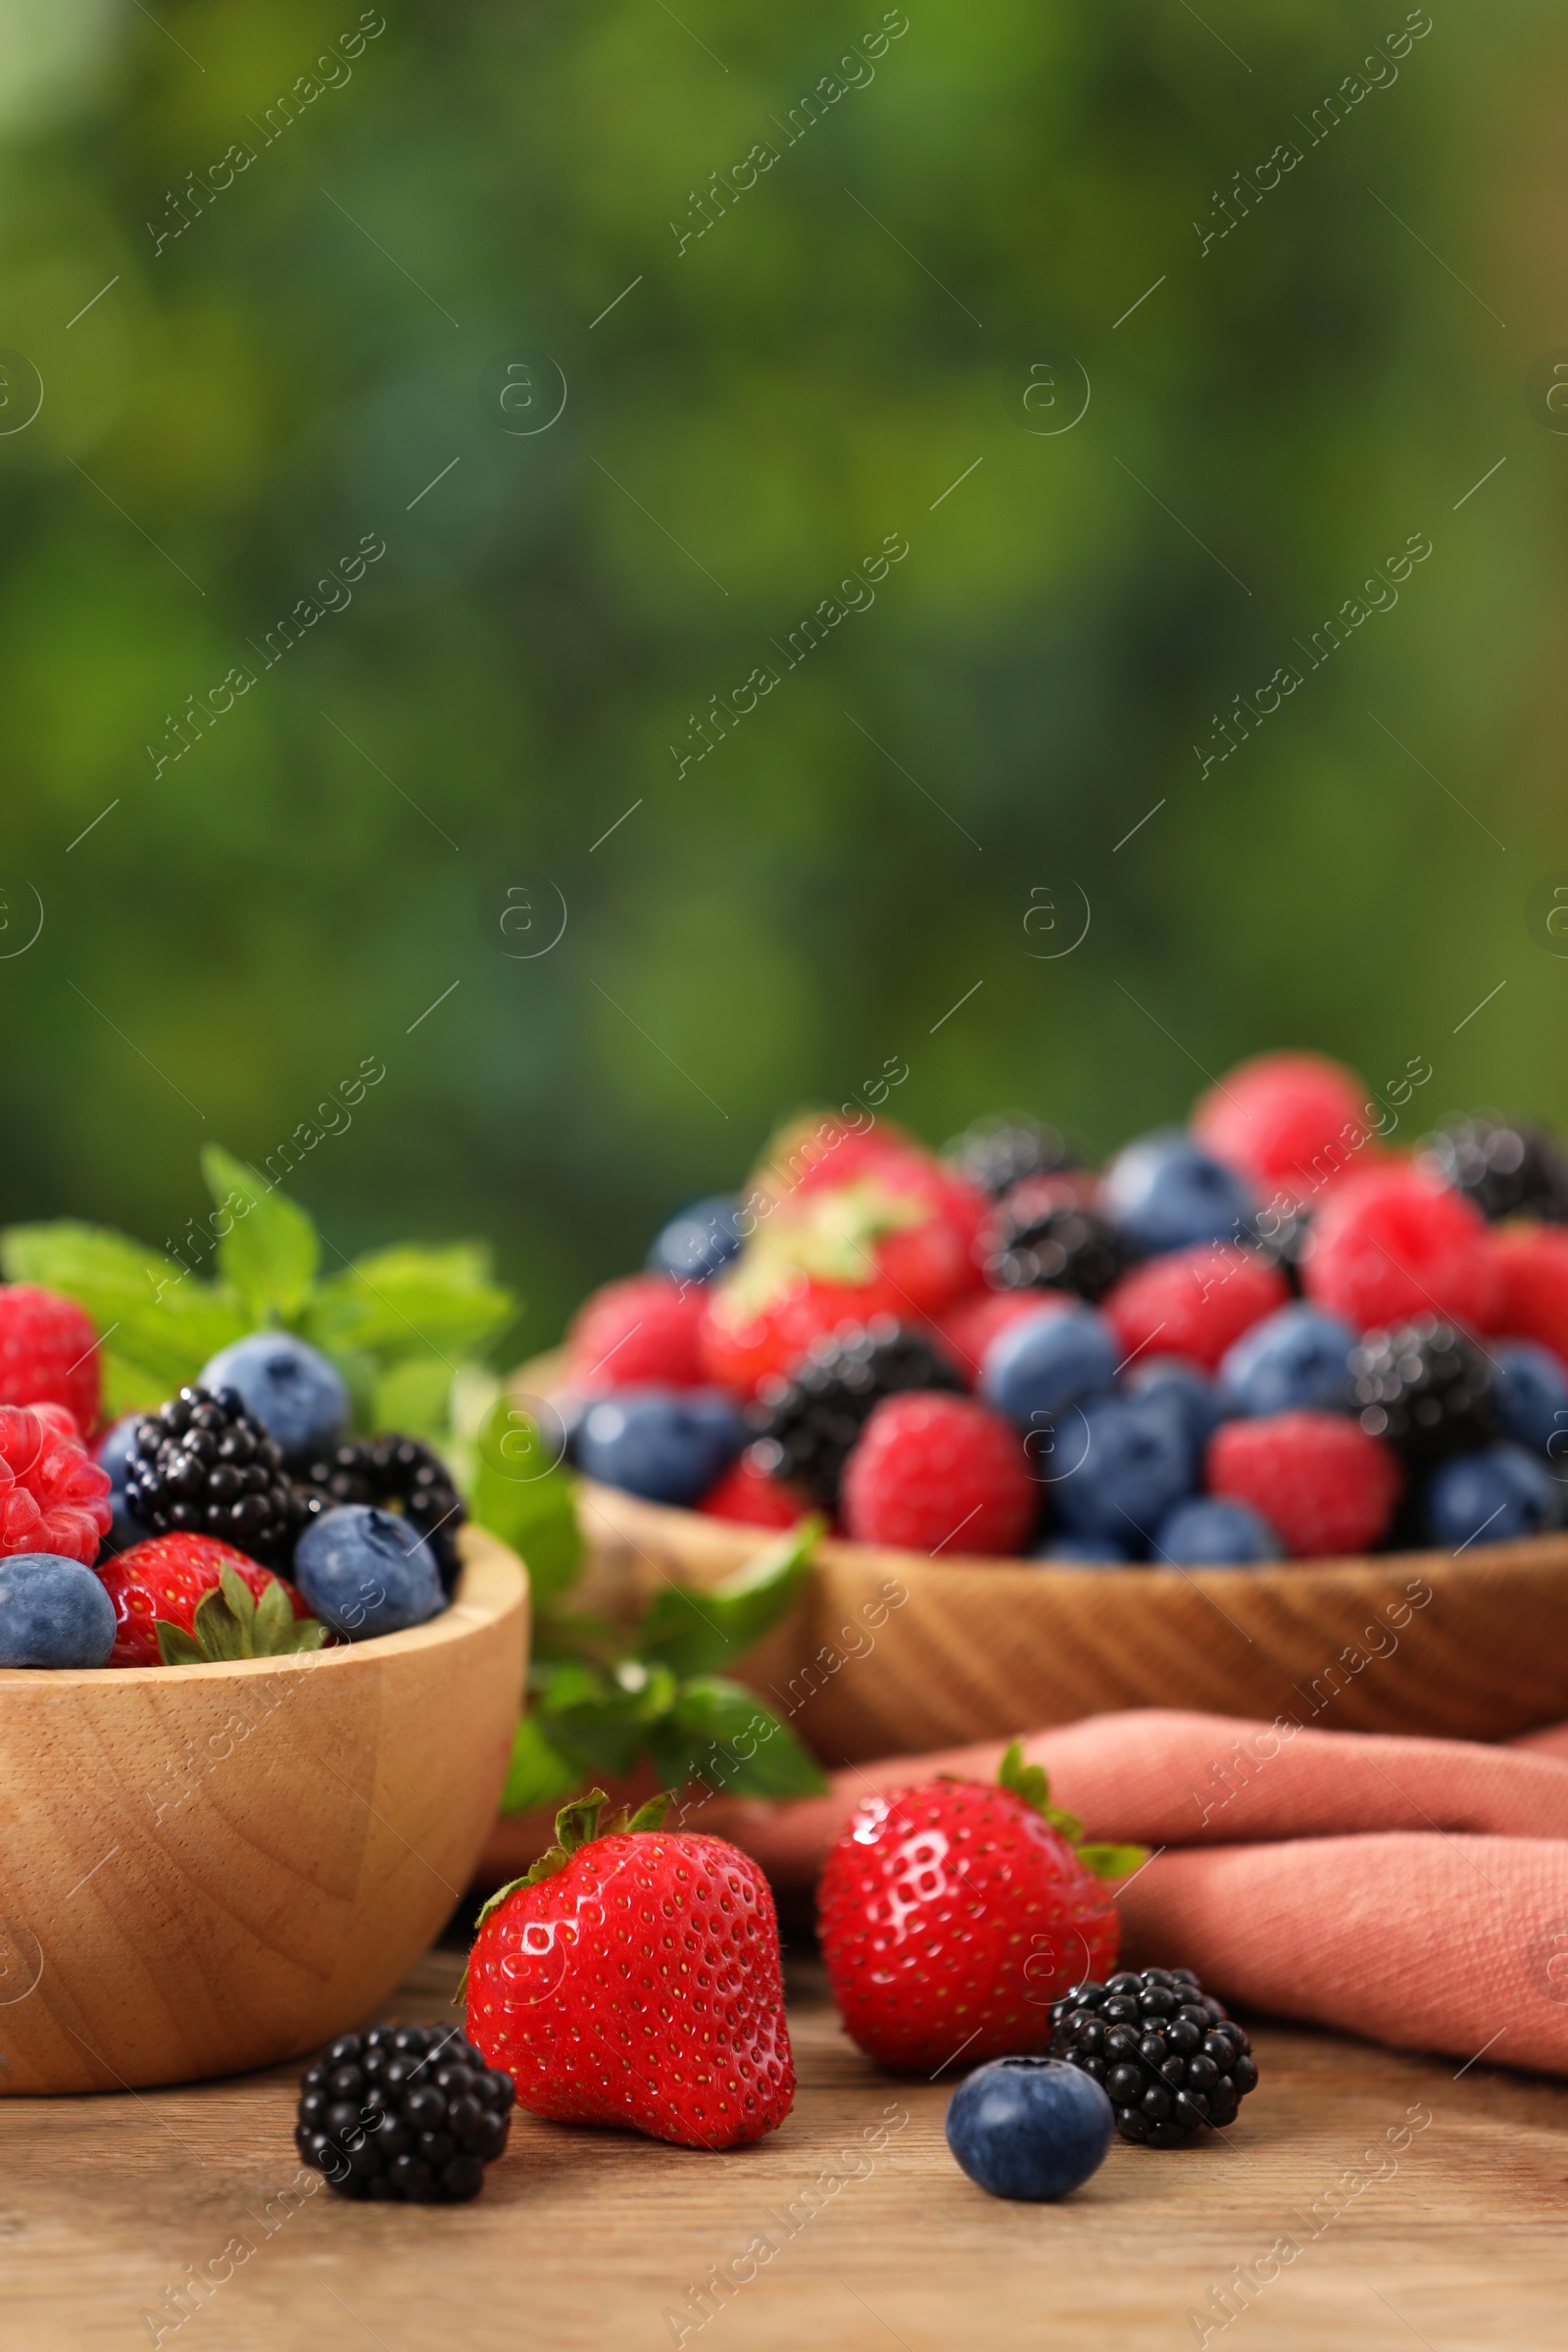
x,y
1268,1335
238,1520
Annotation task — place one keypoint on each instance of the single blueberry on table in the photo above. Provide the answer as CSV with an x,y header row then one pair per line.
x,y
1177,1380
1136,1464
290,1389
1164,1191
1296,1360
1042,1364
366,1571
1494,1496
1205,1532
113,1453
1532,1397
667,1445
1030,2128
698,1240
53,1612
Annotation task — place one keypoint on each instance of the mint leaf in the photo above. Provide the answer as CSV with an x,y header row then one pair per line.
x,y
721,1733
602,1721
1112,1861
410,1302
159,1322
414,1396
269,1249
519,1497
695,1630
538,1773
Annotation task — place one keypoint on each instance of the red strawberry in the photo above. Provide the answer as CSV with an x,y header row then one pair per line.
x,y
742,1343
640,1330
48,1354
634,1978
53,1496
938,1473
748,1494
953,1914
166,1579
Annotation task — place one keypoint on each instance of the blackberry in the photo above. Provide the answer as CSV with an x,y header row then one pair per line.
x,y
1169,2059
1425,1388
1037,1244
1507,1170
202,1465
994,1154
410,2114
808,1425
395,1473
1287,1243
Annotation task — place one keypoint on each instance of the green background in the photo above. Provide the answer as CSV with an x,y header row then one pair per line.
x,y
853,334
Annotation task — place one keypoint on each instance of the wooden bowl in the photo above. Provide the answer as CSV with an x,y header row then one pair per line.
x,y
210,1868
890,1652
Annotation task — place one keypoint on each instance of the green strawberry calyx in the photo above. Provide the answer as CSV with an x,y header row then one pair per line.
x,y
827,1237
231,1623
1030,1783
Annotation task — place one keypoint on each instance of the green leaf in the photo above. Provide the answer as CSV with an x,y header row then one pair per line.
x,y
1112,1861
410,1302
603,1720
413,1397
520,1496
721,1733
161,1322
694,1630
269,1249
538,1773
230,1624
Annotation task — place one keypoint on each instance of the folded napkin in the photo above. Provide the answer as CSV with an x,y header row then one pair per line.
x,y
1414,1891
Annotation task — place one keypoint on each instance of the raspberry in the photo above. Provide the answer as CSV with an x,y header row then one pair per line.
x,y
48,1354
967,1329
747,1494
1194,1303
53,1496
1292,1122
633,1331
1532,1296
1323,1484
1394,1244
932,1472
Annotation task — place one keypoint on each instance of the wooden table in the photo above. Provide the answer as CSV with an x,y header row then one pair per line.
x,y
593,2239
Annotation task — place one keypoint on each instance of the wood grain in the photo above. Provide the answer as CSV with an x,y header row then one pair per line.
x,y
890,1652
210,1867
590,2238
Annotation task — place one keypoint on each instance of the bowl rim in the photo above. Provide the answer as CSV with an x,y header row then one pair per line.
x,y
494,1582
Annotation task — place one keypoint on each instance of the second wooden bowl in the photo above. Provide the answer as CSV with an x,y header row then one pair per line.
x,y
890,1652
208,1868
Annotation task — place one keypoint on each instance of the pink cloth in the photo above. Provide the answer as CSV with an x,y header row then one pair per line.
x,y
1411,1890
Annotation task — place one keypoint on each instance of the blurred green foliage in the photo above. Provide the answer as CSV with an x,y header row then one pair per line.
x,y
324,876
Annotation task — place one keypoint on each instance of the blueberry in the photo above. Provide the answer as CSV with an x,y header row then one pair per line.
x,y
1165,1194
1295,1360
1046,1363
1207,1532
291,1391
1083,1552
1181,1385
364,1572
1136,1464
53,1612
1494,1496
1032,2127
698,1241
113,1453
668,1444
1532,1397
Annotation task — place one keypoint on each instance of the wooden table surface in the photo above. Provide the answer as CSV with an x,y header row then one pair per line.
x,y
1456,2237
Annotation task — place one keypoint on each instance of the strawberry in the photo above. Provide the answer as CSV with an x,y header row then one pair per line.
x,y
633,1977
952,1914
182,1599
53,1496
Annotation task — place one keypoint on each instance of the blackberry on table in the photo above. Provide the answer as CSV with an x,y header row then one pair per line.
x,y
202,1465
1170,2061
409,2113
1036,1245
395,1473
809,1424
994,1154
1507,1170
1425,1388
